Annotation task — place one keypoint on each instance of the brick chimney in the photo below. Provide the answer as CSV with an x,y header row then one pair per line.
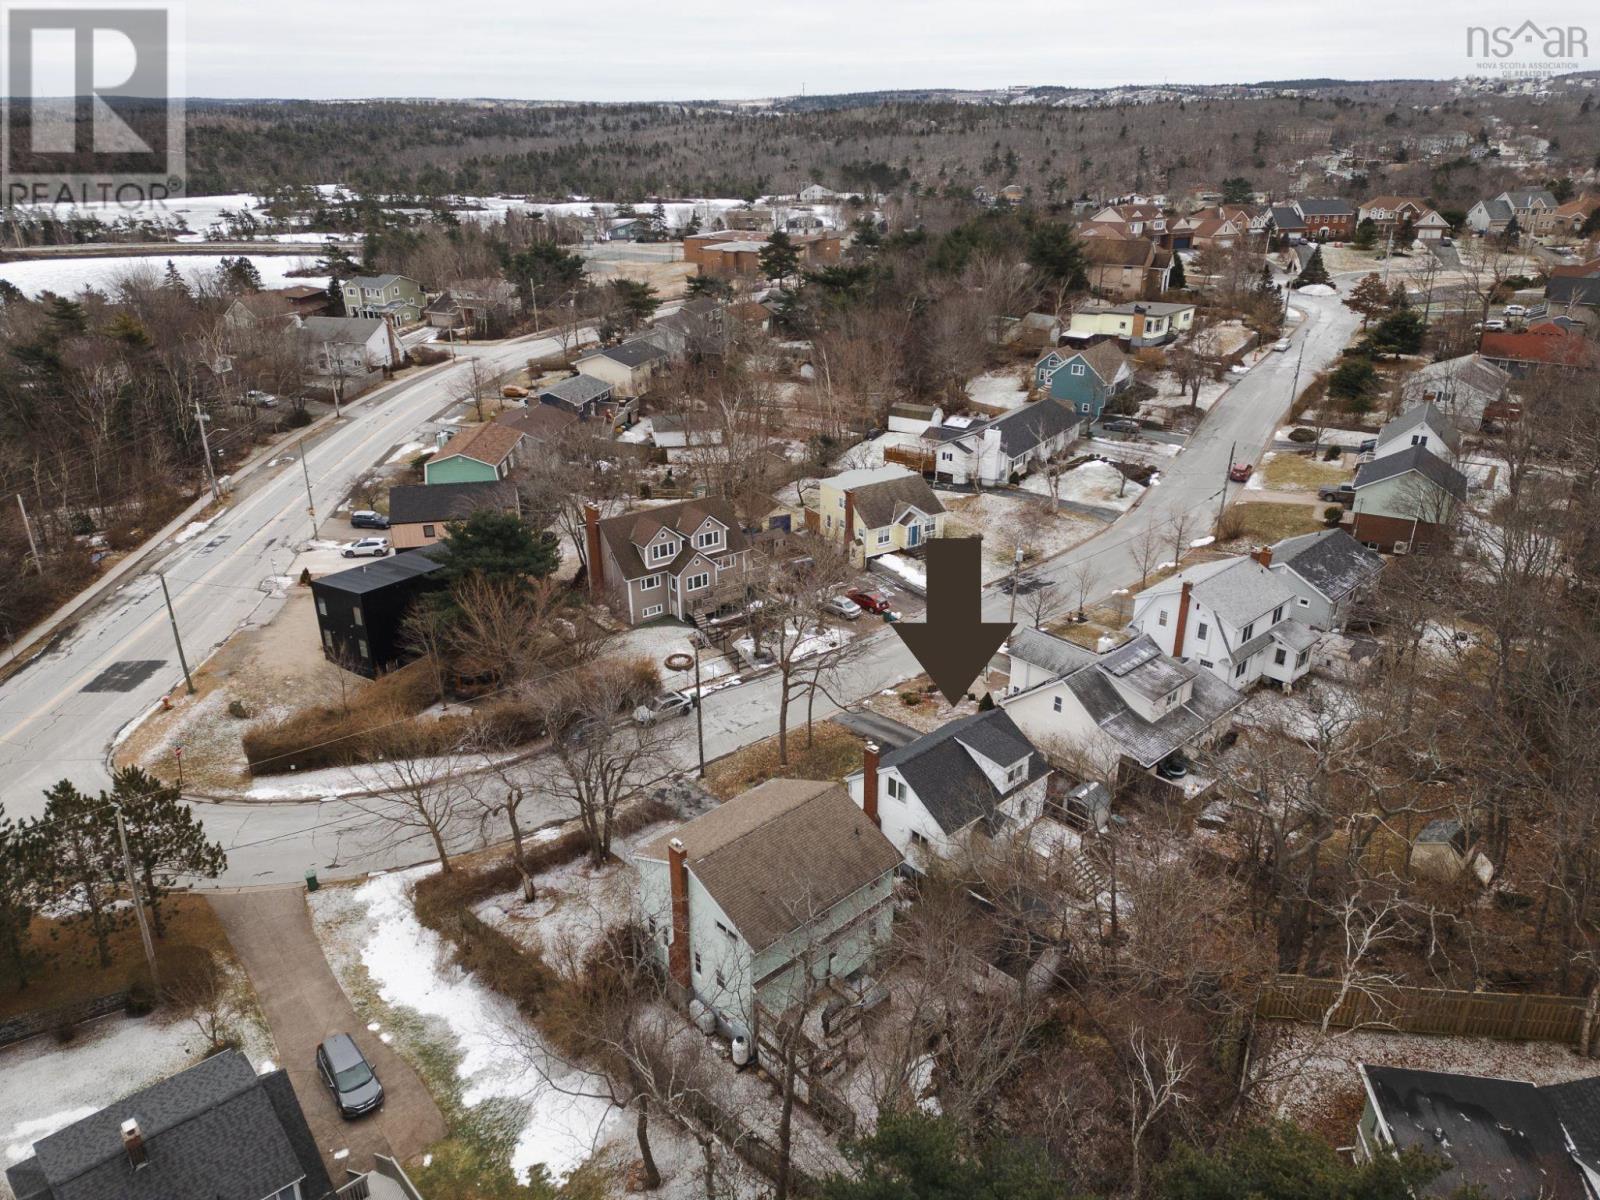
x,y
678,952
1263,556
133,1143
591,541
869,783
1138,322
1183,619
849,518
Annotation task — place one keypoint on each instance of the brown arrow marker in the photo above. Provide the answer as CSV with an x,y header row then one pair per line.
x,y
954,643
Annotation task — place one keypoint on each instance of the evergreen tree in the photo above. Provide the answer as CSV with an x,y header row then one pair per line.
x,y
173,281
1315,271
709,285
1237,190
638,301
1366,234
335,297
21,871
1285,1163
658,221
1369,298
910,1156
1054,254
497,546
780,259
239,275
693,227
10,293
1177,281
1400,332
82,852
165,840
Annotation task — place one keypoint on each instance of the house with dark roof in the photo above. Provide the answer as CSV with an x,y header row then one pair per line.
x,y
1126,268
217,1131
420,513
1420,425
1572,291
1118,714
584,396
1328,218
479,454
976,776
877,510
753,906
361,612
627,368
1328,571
1468,390
1495,214
686,560
1085,380
1506,1138
1234,617
541,424
967,450
1405,500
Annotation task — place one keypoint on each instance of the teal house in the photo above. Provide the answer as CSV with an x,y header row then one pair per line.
x,y
1084,379
483,454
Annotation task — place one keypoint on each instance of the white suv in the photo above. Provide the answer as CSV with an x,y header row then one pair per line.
x,y
373,547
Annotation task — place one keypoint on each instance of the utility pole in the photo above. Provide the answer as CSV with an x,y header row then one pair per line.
x,y
699,711
1016,565
138,903
205,444
1294,388
1223,506
32,545
311,504
1388,255
173,617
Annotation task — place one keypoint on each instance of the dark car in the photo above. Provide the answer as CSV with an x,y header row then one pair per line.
x,y
1024,585
1121,425
365,518
1368,446
1343,493
349,1076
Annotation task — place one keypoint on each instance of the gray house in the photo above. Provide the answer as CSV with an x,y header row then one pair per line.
x,y
217,1131
1328,571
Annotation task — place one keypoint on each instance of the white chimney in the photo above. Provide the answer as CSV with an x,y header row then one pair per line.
x,y
133,1143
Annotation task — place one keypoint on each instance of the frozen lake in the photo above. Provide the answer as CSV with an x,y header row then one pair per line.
x,y
69,276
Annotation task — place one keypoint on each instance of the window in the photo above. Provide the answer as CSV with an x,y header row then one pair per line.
x,y
695,582
427,531
841,501
1279,657
327,639
322,605
1016,774
1238,672
1077,368
1247,632
896,788
1207,663
721,982
1161,618
1277,614
1201,631
829,523
361,645
650,582
1056,704
1419,439
727,933
917,839
1303,602
1300,659
355,615
711,537
652,610
662,550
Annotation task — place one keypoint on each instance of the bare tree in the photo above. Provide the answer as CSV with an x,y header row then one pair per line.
x,y
423,792
1157,1075
1083,575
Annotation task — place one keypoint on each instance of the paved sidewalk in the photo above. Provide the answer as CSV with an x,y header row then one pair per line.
x,y
270,929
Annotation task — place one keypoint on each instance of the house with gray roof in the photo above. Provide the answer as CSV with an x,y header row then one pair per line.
x,y
627,367
1233,617
1405,500
966,450
754,905
877,510
1116,715
392,297
1422,425
586,396
1466,389
1495,214
347,346
217,1131
979,775
1329,572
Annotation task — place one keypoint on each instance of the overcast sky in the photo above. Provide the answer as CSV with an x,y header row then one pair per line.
x,y
690,49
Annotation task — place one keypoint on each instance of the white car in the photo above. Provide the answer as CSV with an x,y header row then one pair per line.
x,y
1515,310
1281,345
1238,369
260,399
368,547
1494,326
664,706
843,606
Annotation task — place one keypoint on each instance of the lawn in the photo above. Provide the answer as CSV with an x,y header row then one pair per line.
x,y
1261,521
73,971
1285,472
834,753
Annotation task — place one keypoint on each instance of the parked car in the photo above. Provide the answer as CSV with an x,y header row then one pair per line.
x,y
1494,325
1121,425
1281,345
1344,493
1238,369
664,707
1173,766
1514,310
843,606
367,547
348,1075
365,518
872,602
1368,446
1445,241
1240,472
260,399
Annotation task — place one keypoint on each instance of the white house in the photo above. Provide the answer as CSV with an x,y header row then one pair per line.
x,y
977,774
1422,425
1328,571
1234,617
992,452
1115,714
744,901
1464,388
347,345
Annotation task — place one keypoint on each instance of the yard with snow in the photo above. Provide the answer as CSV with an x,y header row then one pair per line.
x,y
1096,483
1004,522
998,389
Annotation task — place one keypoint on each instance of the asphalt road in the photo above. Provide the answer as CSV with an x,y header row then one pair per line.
x,y
53,727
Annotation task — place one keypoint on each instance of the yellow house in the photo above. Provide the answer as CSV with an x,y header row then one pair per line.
x,y
878,510
1139,324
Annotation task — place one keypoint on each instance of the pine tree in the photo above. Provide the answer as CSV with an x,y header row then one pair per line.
x,y
173,281
1177,281
658,220
165,840
82,851
1315,271
1366,234
779,259
21,871
1369,298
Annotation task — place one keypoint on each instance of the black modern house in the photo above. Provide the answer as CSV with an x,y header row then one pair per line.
x,y
360,611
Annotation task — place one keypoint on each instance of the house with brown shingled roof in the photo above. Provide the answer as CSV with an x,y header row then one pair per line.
x,y
754,906
877,510
1127,269
684,560
481,454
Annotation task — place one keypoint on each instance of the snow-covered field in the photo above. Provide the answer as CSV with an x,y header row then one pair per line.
x,y
1172,394
1003,521
1096,483
908,570
998,389
69,276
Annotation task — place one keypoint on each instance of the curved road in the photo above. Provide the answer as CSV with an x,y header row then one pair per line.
x,y
54,727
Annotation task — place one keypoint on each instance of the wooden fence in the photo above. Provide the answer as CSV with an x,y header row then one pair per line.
x,y
1510,1015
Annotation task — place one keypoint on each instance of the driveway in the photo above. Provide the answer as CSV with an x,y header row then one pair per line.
x,y
271,933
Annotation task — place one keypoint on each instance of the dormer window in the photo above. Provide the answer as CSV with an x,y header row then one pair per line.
x,y
1247,632
708,538
1277,614
662,551
1016,773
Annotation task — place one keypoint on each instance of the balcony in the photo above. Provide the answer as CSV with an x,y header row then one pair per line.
x,y
732,589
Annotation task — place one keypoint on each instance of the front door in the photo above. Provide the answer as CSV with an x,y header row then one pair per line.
x,y
913,535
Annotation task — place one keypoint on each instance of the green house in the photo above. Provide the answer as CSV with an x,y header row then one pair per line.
x,y
483,454
1084,379
383,296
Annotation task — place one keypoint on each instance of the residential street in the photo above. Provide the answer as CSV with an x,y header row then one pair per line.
x,y
57,728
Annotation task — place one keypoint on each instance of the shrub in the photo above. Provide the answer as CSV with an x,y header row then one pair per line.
x,y
1302,434
910,699
1333,514
305,576
427,356
1231,526
238,709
